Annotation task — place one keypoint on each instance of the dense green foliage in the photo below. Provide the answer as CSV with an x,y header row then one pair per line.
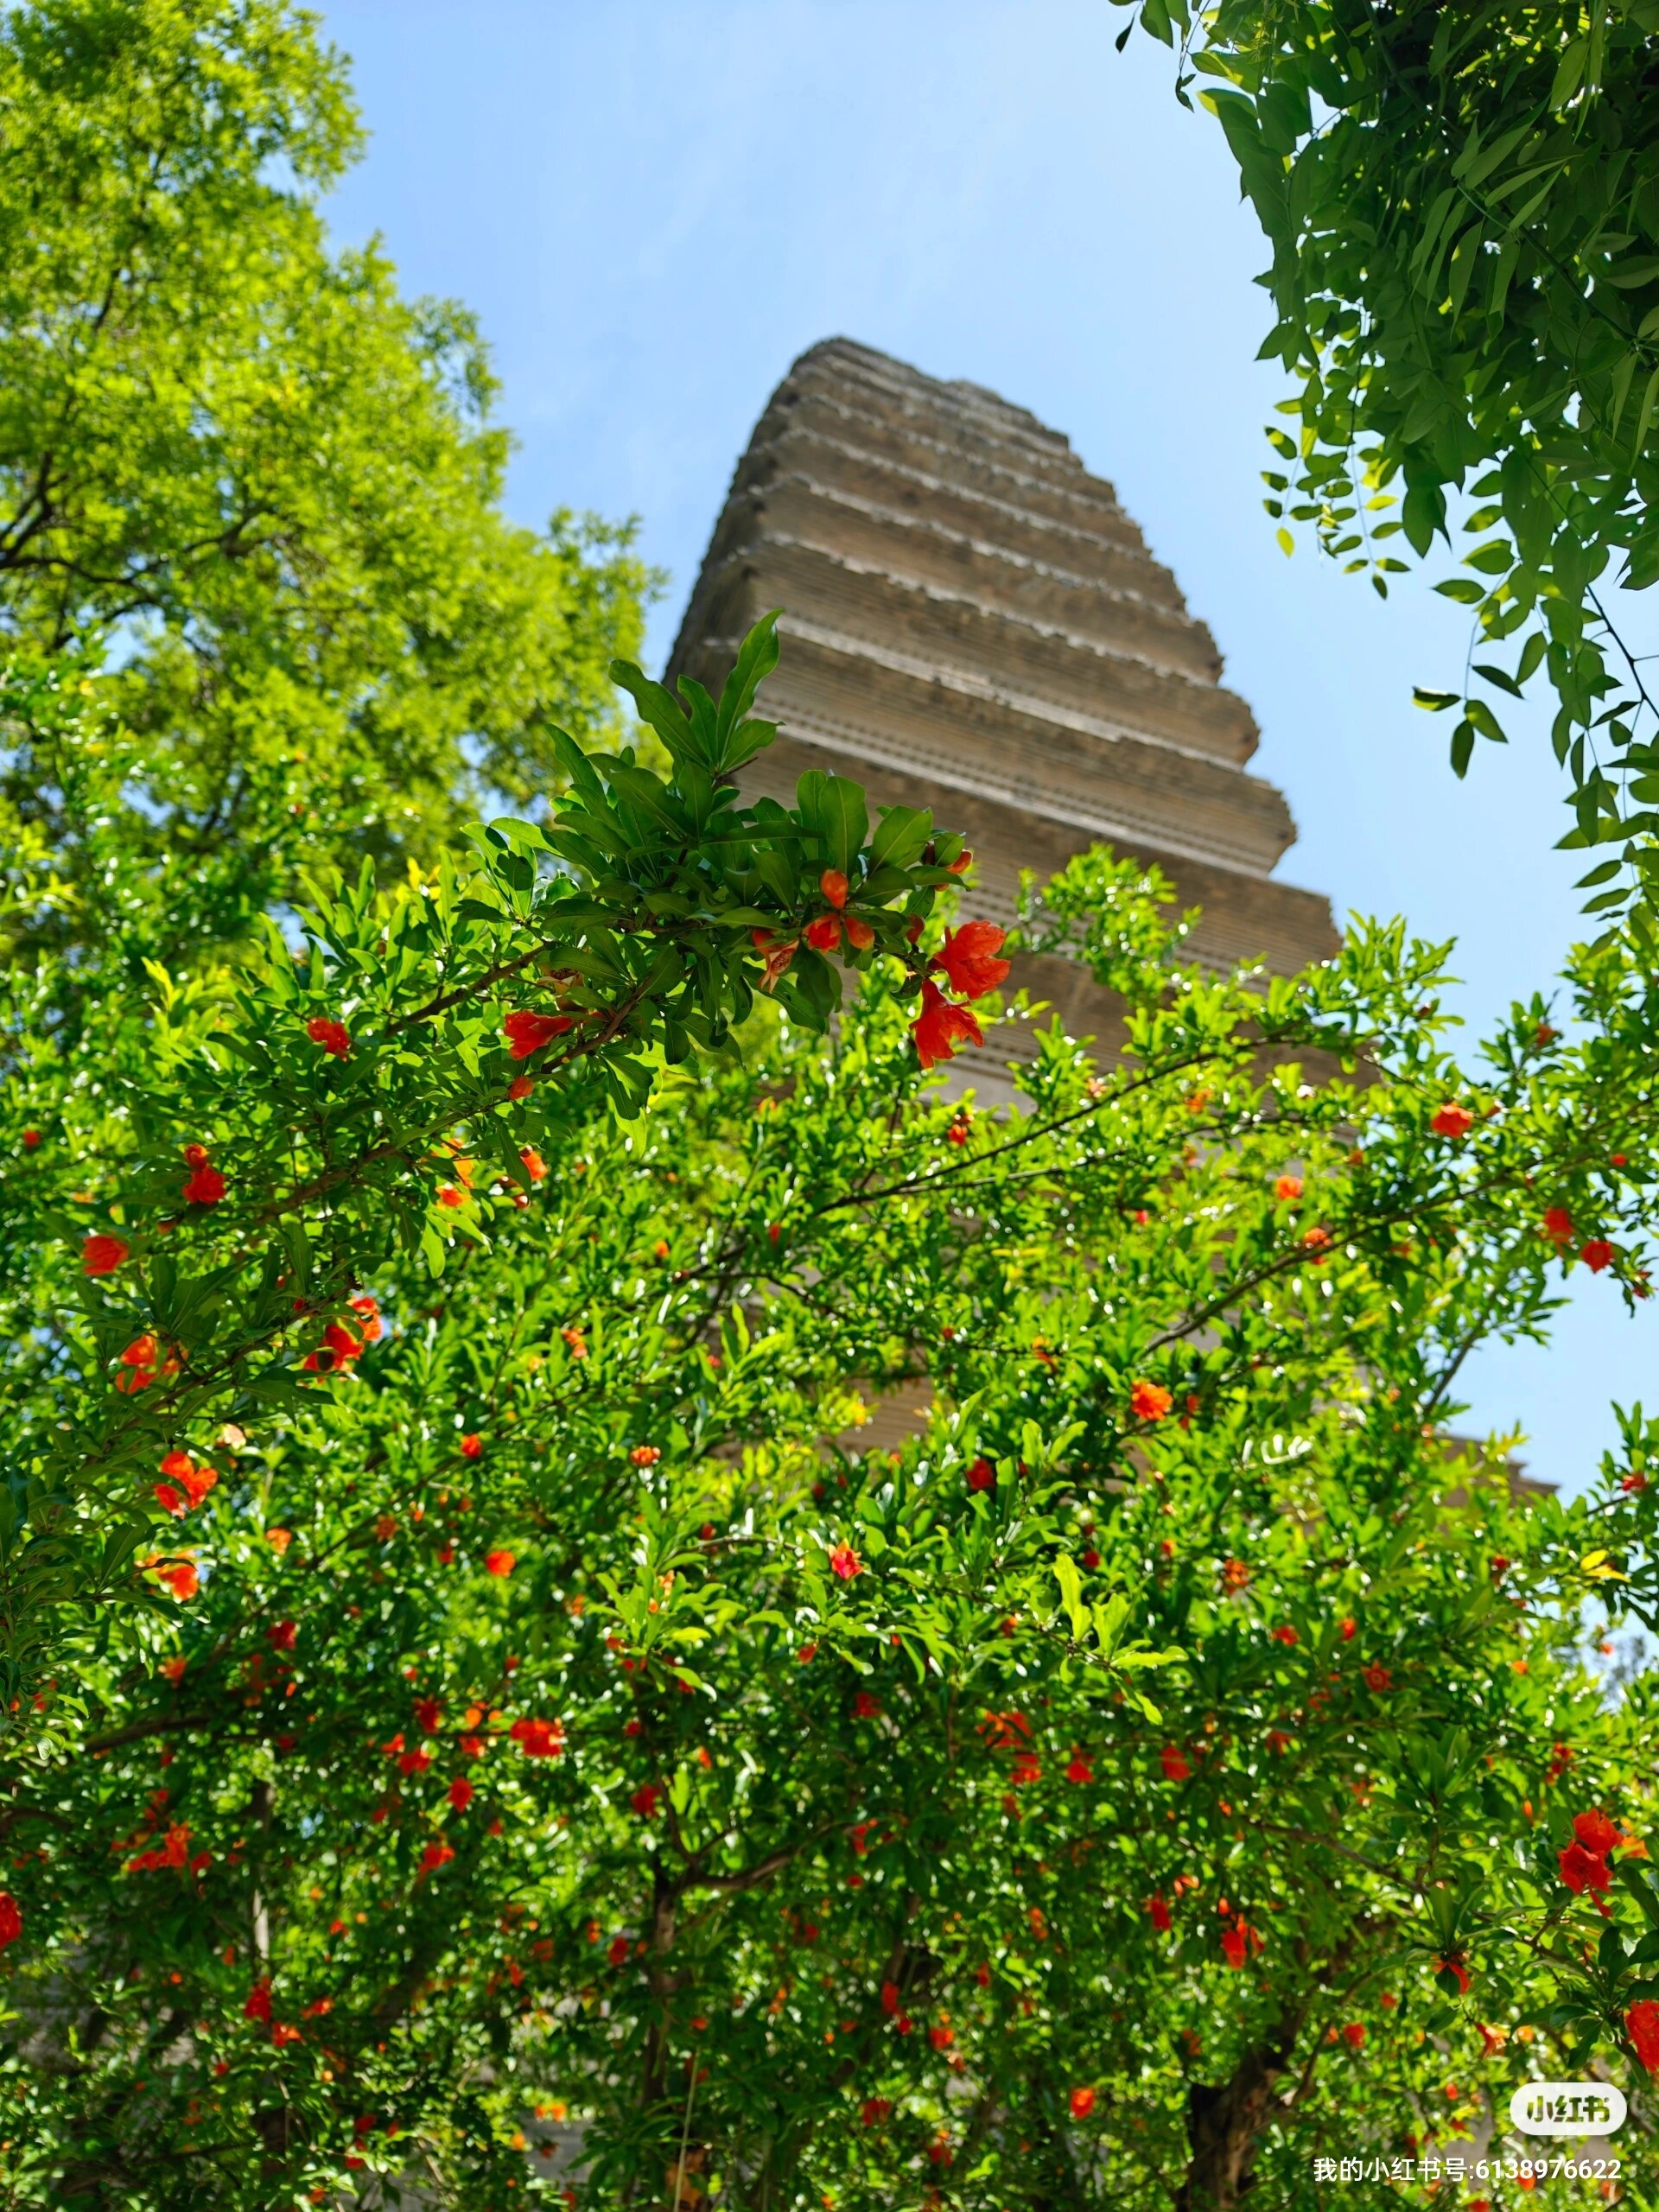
x,y
478,1712
239,463
559,1713
1463,203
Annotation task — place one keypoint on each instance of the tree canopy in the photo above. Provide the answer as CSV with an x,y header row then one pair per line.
x,y
237,466
1463,205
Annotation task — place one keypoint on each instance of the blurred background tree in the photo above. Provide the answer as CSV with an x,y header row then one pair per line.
x,y
240,471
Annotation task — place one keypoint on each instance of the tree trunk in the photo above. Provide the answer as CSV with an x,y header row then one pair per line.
x,y
1223,2125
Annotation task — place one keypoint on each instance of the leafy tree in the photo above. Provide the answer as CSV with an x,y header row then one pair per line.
x,y
1156,1769
237,465
1463,204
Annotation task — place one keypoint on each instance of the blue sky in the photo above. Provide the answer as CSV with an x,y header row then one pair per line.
x,y
654,205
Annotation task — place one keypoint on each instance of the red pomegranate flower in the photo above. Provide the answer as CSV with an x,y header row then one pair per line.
x,y
1583,1870
500,1563
539,1739
1158,1907
824,934
102,1255
1149,1401
1641,2025
968,958
981,1475
528,1032
941,1026
1174,1765
194,1482
1596,1831
257,2006
643,1801
1287,1187
204,1188
11,1919
1082,2102
461,1793
1450,1120
339,1348
331,1035
1596,1254
1557,1225
1354,2033
471,1445
845,1563
141,1359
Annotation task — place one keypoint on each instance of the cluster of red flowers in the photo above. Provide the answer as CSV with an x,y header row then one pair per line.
x,y
173,1851
538,1739
1557,1225
825,934
968,963
1584,1863
1238,1941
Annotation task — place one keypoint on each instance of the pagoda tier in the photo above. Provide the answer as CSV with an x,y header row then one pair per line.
x,y
972,623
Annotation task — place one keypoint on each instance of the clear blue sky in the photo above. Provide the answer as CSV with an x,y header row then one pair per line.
x,y
654,205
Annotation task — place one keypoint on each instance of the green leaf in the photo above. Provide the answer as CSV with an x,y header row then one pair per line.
x,y
900,836
757,657
660,709
1070,1582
